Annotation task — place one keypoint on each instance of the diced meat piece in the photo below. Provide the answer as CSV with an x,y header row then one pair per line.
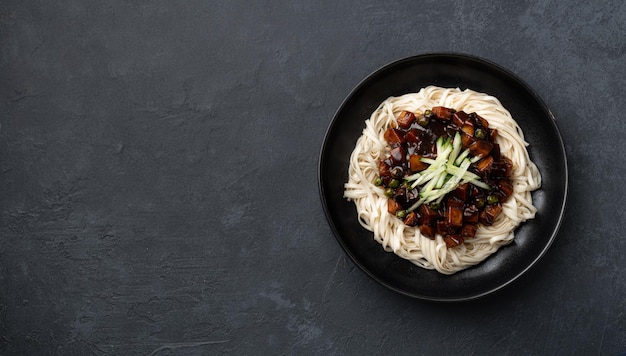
x,y
411,219
415,165
489,214
468,128
413,136
453,240
454,216
443,113
393,137
468,231
393,206
484,165
454,201
461,192
427,214
470,214
443,228
427,230
397,155
459,118
502,168
467,140
405,119
480,148
504,189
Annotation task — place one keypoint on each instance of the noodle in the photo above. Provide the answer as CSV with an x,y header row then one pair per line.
x,y
407,242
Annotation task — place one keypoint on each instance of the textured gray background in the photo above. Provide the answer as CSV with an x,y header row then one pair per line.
x,y
158,188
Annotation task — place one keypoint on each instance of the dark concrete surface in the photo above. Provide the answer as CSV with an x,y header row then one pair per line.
x,y
158,178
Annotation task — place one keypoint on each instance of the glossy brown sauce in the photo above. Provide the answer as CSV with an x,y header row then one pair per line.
x,y
457,215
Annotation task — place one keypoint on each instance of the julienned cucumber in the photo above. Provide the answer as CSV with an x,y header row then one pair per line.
x,y
445,173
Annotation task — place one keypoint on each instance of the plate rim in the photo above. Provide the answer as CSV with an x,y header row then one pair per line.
x,y
466,57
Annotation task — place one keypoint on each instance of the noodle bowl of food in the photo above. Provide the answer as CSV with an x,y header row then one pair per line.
x,y
443,177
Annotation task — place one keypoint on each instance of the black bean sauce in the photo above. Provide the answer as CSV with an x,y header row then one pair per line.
x,y
458,213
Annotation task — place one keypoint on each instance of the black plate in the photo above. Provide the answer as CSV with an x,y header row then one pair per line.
x,y
532,238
